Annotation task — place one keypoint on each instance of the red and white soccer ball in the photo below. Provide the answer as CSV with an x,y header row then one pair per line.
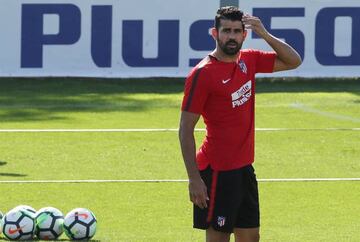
x,y
49,223
80,224
18,224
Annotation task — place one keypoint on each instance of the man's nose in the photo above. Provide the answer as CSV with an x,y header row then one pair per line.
x,y
232,35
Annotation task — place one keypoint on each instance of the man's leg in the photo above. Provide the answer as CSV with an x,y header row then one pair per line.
x,y
247,235
247,226
216,236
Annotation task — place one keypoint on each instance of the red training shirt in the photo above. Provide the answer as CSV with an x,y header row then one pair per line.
x,y
224,94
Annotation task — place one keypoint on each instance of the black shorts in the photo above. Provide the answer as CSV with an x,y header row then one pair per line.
x,y
234,200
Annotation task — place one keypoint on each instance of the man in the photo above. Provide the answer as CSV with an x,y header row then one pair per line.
x,y
221,89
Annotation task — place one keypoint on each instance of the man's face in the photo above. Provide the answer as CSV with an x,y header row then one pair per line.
x,y
230,36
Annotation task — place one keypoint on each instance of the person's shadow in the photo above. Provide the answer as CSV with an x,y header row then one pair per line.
x,y
3,163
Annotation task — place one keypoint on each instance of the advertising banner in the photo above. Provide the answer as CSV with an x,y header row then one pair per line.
x,y
158,38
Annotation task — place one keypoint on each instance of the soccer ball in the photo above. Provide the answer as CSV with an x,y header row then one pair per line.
x,y
1,216
18,224
79,224
30,209
49,223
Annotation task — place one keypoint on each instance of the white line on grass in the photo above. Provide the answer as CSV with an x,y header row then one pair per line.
x,y
176,180
159,130
87,130
307,109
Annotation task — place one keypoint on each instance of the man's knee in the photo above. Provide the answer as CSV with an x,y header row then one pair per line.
x,y
216,236
247,235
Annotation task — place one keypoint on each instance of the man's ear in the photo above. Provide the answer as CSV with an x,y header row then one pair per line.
x,y
245,34
214,33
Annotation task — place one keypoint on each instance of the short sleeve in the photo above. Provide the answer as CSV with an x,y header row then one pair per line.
x,y
265,61
195,92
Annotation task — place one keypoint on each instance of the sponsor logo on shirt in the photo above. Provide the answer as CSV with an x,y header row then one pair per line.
x,y
242,95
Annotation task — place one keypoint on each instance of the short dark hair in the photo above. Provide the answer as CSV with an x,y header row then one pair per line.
x,y
229,13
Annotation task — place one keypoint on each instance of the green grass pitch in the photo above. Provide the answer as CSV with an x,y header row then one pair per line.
x,y
318,137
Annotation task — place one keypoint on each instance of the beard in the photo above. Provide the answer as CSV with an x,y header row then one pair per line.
x,y
231,47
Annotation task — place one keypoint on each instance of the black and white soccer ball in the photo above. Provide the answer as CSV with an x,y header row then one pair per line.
x,y
49,223
80,224
28,208
1,216
18,224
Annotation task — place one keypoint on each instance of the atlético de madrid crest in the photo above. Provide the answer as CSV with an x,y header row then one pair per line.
x,y
221,221
242,66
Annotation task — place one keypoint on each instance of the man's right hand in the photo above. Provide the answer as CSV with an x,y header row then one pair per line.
x,y
198,192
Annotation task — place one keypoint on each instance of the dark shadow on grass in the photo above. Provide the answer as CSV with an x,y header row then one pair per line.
x,y
12,174
36,99
13,114
3,163
311,85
